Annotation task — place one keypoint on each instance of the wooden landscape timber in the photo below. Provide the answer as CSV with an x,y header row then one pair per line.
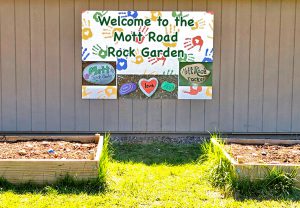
x,y
43,171
257,170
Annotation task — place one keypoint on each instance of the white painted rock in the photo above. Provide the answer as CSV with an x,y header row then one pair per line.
x,y
99,73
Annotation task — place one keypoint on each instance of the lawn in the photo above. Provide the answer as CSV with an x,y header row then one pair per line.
x,y
141,175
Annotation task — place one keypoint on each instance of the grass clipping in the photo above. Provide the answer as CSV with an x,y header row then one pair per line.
x,y
277,184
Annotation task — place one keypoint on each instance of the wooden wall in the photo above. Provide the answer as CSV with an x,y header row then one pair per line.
x,y
256,80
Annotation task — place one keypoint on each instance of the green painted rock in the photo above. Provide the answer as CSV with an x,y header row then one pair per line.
x,y
168,86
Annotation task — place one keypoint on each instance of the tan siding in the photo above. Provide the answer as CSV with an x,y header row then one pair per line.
x,y
228,35
271,65
296,75
285,76
256,75
52,65
241,74
37,33
67,73
255,84
23,65
8,66
82,107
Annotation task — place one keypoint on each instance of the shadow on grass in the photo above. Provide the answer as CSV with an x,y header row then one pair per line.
x,y
156,153
66,185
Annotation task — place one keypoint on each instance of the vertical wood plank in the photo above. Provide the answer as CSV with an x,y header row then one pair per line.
x,y
8,66
23,65
1,67
271,65
52,65
241,76
212,106
198,106
82,107
96,106
139,107
286,60
125,105
256,75
168,106
296,75
154,105
67,65
183,107
111,107
227,65
38,80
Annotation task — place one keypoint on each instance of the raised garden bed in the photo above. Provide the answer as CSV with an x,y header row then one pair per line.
x,y
45,159
254,158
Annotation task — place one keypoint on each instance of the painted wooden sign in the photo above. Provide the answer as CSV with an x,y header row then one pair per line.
x,y
147,54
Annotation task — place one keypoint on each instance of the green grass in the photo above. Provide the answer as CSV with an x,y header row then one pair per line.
x,y
140,175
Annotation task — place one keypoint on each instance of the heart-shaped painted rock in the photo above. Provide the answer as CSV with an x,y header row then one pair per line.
x,y
99,73
148,86
127,88
195,73
168,86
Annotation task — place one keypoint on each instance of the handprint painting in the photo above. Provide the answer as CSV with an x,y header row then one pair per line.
x,y
156,54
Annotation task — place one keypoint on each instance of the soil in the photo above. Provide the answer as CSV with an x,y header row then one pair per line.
x,y
273,154
46,150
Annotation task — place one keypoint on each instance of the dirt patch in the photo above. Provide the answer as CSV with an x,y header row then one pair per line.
x,y
46,150
273,154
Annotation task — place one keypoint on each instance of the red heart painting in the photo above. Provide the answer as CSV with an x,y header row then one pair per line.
x,y
148,86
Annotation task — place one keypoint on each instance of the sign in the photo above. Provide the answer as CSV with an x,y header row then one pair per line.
x,y
147,54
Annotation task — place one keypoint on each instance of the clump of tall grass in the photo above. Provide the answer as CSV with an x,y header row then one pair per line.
x,y
104,160
222,175
277,184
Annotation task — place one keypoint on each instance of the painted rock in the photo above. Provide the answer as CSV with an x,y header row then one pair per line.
x,y
127,88
51,151
99,73
195,73
148,86
168,86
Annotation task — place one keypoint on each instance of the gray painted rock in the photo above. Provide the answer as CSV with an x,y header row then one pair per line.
x,y
99,73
